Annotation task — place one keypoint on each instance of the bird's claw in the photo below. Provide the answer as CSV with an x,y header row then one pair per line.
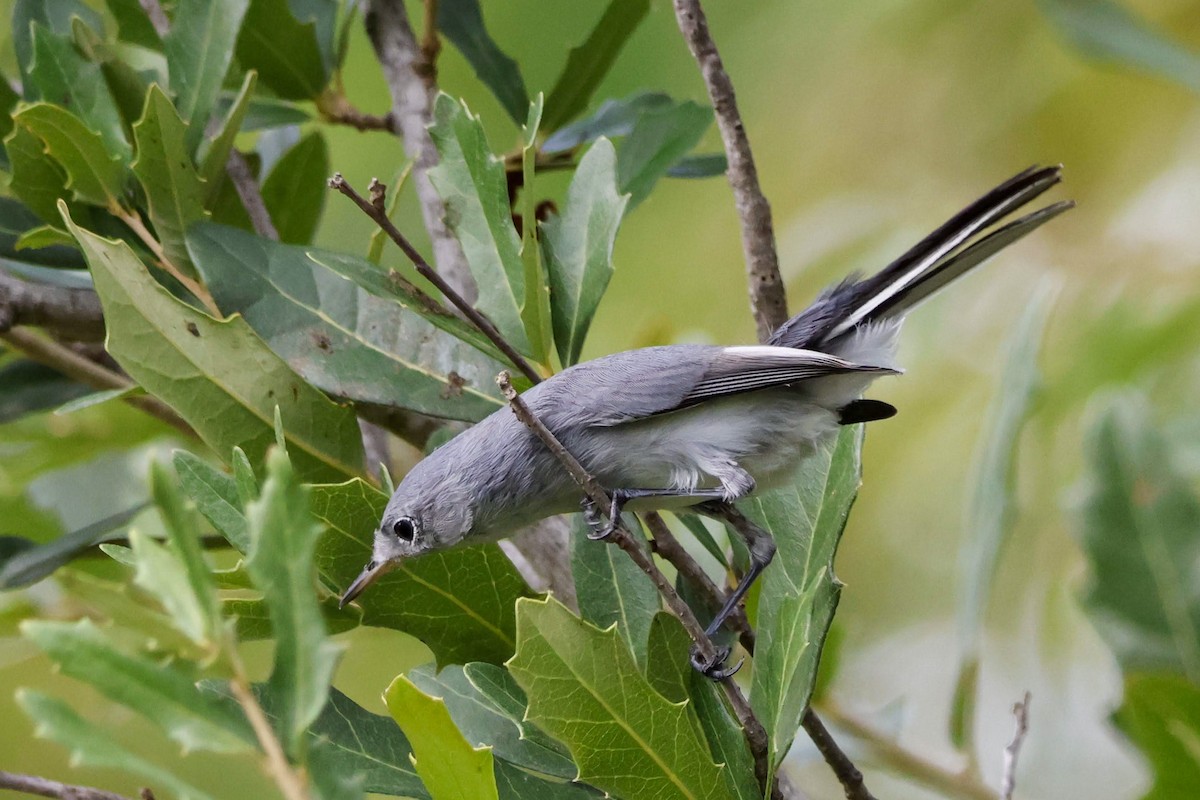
x,y
601,529
711,668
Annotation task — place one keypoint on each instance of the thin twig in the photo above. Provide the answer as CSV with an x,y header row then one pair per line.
x,y
336,108
76,367
891,755
377,213
667,546
43,787
756,735
290,783
1008,781
431,43
134,220
413,89
768,298
238,170
70,313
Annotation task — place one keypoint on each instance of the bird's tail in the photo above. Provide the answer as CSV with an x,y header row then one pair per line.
x,y
939,258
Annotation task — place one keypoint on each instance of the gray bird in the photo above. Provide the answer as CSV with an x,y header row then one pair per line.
x,y
694,425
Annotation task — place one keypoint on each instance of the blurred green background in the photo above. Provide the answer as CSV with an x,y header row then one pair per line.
x,y
871,122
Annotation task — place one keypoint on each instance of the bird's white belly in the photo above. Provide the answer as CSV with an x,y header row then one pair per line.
x,y
764,433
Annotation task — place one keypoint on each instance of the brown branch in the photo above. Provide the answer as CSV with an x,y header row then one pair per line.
x,y
667,546
431,44
336,108
289,782
413,88
68,313
134,220
1008,780
756,735
79,368
891,755
248,191
375,210
768,298
43,787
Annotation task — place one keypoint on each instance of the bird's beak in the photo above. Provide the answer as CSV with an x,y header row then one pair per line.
x,y
369,575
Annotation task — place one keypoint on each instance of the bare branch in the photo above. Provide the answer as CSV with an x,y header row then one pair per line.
x,y
768,298
249,192
891,755
1008,781
336,108
49,352
69,313
43,787
431,44
412,84
756,735
667,546
375,210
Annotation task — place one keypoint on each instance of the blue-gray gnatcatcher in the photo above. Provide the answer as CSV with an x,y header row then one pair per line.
x,y
694,425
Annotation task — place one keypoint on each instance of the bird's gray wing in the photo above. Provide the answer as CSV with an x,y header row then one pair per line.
x,y
735,370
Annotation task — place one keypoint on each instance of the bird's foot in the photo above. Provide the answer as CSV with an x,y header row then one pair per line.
x,y
600,528
711,668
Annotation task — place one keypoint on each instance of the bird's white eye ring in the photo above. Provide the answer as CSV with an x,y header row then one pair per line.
x,y
405,529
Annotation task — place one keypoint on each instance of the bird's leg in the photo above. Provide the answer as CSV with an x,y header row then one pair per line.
x,y
762,550
602,529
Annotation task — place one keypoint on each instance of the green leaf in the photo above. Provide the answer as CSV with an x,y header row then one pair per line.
x,y
34,176
585,689
47,245
184,536
202,368
93,746
449,766
578,247
536,312
1140,519
1161,715
92,174
1103,30
199,48
253,617
160,572
993,502
588,63
174,191
55,16
31,563
726,741
461,21
8,101
614,118
391,285
133,25
214,153
488,707
215,495
27,387
165,694
703,166
264,113
799,589
63,77
284,50
283,536
515,783
472,184
477,587
669,671
342,340
611,589
658,140
294,191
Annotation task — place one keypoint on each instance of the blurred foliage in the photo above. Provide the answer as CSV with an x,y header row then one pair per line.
x,y
115,145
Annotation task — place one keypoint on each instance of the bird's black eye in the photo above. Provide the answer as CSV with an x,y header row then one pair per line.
x,y
404,529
